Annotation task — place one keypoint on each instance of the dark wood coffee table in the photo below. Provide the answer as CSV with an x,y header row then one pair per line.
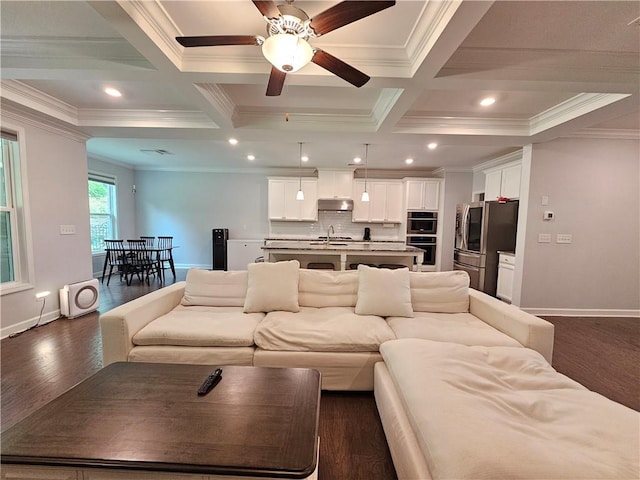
x,y
142,417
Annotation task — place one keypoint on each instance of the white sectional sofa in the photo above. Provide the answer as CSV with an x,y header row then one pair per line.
x,y
279,315
462,381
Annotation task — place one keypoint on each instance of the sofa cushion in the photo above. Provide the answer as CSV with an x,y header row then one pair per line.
x,y
383,292
446,292
463,328
201,326
272,287
319,288
215,288
328,329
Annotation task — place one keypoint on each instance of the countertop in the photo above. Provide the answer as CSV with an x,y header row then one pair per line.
x,y
506,252
340,245
341,240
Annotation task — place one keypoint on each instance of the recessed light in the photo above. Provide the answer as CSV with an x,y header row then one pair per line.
x,y
409,161
112,92
357,160
251,157
432,145
304,158
233,141
485,102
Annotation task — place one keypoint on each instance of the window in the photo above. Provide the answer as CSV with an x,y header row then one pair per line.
x,y
16,269
102,210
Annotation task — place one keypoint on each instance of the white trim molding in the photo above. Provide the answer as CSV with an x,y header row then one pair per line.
x,y
583,312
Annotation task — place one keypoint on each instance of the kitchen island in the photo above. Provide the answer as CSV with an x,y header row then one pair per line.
x,y
342,255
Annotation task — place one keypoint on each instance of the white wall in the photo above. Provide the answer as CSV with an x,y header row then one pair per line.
x,y
593,186
55,166
126,215
188,205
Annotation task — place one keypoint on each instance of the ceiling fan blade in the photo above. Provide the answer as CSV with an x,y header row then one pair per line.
x,y
276,82
267,8
218,40
346,12
338,67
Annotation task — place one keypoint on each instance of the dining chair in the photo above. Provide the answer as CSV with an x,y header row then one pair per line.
x,y
150,241
115,258
165,255
140,261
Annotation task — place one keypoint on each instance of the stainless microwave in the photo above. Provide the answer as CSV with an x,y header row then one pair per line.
x,y
422,223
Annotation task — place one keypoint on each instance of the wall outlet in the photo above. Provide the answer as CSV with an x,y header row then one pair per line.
x,y
544,238
67,229
564,238
547,215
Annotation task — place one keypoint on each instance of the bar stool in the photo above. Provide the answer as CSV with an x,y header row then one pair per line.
x,y
149,241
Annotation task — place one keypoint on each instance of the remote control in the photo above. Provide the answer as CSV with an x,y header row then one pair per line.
x,y
210,382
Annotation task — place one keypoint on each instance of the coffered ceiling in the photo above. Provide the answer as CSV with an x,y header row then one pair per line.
x,y
555,68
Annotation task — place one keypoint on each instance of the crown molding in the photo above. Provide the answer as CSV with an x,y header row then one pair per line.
x,y
156,23
321,121
385,102
445,170
424,124
96,117
434,18
606,133
26,115
30,97
469,60
574,107
55,52
515,156
218,99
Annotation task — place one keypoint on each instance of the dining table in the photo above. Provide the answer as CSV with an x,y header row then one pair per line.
x,y
154,251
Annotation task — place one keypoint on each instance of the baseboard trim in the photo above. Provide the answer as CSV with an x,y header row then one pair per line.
x,y
19,327
587,312
205,266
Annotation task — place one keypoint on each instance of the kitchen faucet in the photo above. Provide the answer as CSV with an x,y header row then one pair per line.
x,y
330,230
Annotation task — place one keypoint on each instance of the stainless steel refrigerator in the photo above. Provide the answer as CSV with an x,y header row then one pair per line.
x,y
483,228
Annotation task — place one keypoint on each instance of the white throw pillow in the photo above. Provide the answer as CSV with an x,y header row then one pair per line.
x,y
272,287
384,292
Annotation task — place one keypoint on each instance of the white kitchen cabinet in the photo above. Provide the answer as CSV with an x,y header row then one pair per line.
x,y
282,199
335,183
423,194
384,205
506,269
240,253
502,181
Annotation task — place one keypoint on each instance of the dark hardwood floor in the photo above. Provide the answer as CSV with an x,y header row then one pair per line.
x,y
39,365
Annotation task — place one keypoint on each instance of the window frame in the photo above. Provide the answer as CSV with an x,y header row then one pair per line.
x,y
20,221
111,180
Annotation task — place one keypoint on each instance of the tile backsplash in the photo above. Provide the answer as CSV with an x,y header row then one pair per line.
x,y
342,225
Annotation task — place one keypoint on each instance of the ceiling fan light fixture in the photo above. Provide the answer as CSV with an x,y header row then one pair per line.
x,y
287,52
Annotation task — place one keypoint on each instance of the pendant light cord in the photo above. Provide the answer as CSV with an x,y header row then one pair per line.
x,y
300,167
366,164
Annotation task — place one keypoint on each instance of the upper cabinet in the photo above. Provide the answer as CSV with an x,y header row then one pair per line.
x,y
282,199
384,205
423,194
335,183
503,181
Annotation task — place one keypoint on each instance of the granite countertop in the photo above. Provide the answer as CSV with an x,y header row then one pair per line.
x,y
340,245
507,252
341,240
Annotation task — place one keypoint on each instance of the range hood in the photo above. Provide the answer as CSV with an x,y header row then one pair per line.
x,y
335,204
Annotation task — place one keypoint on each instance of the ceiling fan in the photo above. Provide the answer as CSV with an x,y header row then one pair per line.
x,y
286,46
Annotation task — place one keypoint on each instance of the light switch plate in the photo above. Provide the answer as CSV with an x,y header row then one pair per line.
x,y
544,200
544,238
564,238
67,229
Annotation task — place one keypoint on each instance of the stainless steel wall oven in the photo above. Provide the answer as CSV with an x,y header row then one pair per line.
x,y
428,244
422,223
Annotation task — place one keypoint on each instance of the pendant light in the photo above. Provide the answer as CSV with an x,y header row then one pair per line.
x,y
300,194
365,194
